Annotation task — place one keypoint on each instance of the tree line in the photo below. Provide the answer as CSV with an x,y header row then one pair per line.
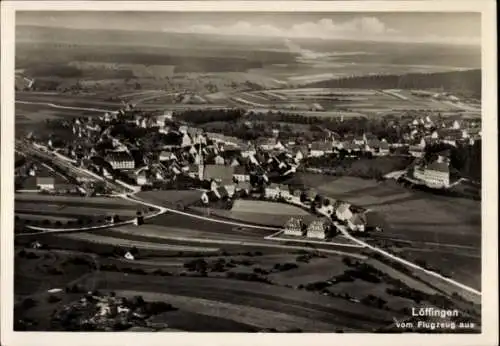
x,y
466,82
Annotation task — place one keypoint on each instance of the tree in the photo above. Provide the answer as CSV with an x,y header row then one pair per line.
x,y
303,197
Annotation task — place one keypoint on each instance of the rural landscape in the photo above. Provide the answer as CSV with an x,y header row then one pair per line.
x,y
219,172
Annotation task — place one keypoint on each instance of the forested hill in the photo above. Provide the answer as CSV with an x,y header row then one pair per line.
x,y
467,83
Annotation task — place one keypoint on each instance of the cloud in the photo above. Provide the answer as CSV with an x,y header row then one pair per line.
x,y
362,28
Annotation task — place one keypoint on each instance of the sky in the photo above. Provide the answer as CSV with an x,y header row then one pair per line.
x,y
453,28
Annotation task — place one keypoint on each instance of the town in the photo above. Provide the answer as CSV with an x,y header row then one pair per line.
x,y
299,187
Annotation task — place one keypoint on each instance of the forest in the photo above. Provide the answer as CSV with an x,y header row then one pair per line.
x,y
463,83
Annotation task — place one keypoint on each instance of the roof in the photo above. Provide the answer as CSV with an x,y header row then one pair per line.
x,y
374,143
244,185
240,170
323,146
45,180
119,156
218,172
358,219
384,145
439,167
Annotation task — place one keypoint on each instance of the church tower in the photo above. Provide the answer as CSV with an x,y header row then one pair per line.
x,y
201,166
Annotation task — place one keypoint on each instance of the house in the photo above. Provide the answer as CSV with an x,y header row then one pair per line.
x,y
186,140
436,174
293,227
320,148
219,173
219,160
300,152
416,151
384,148
248,150
343,211
120,160
241,174
142,178
45,183
317,229
269,144
272,191
231,188
357,222
167,156
244,186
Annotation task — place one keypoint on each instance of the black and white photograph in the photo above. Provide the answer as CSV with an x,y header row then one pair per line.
x,y
249,171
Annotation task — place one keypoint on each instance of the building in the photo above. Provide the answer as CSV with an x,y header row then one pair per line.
x,y
272,191
357,222
320,149
343,211
384,148
45,183
436,174
219,160
219,173
120,160
317,229
293,227
241,174
166,156
142,178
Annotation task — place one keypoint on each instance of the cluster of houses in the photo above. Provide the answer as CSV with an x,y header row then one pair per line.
x,y
431,130
187,150
320,227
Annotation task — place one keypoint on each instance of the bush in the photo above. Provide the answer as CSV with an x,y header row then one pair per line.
x,y
29,303
53,299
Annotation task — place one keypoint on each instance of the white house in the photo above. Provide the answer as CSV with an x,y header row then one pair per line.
x,y
45,183
293,227
241,174
343,211
316,229
186,140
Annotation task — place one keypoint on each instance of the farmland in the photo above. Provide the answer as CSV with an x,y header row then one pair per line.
x,y
54,207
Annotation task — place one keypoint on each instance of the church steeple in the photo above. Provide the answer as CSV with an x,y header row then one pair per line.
x,y
201,164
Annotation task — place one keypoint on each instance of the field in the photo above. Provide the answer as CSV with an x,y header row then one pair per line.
x,y
73,207
442,231
275,306
170,198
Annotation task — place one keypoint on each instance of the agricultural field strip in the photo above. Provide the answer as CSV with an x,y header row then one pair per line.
x,y
249,206
53,105
244,314
264,296
310,241
243,243
93,238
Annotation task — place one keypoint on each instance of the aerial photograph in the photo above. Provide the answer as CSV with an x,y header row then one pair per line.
x,y
254,172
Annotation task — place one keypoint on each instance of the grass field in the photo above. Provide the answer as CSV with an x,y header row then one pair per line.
x,y
264,207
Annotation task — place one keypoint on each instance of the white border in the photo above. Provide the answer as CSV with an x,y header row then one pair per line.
x,y
489,335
